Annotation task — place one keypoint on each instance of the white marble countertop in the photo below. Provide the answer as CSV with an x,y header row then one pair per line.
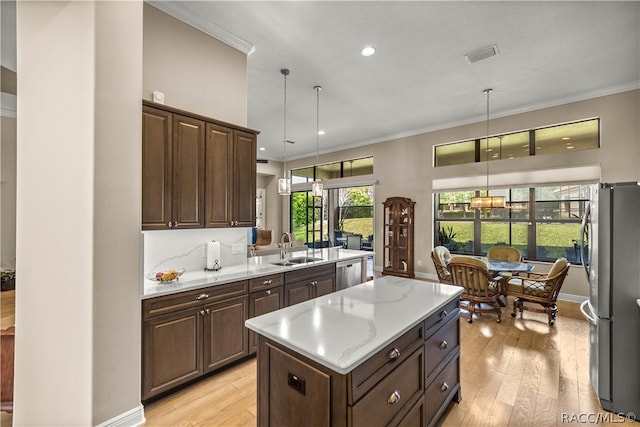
x,y
254,267
343,329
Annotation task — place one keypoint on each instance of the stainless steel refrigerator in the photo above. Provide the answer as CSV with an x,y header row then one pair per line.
x,y
610,244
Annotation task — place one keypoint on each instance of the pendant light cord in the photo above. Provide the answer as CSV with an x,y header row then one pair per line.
x,y
487,91
285,73
318,89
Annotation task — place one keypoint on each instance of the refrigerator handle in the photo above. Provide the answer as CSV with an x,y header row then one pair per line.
x,y
583,230
589,316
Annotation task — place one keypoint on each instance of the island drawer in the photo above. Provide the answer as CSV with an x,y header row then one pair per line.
x,y
440,345
310,273
401,387
171,303
440,390
437,319
367,375
266,282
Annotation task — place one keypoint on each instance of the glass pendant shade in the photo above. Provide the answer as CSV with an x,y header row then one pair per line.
x,y
316,188
284,187
487,202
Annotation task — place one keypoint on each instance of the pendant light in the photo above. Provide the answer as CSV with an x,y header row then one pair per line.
x,y
316,187
284,183
487,202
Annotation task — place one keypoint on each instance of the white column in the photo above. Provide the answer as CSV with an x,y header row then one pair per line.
x,y
78,212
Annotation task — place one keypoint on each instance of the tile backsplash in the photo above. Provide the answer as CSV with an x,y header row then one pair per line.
x,y
165,249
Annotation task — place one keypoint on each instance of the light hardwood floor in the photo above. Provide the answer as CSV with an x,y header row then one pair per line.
x,y
516,373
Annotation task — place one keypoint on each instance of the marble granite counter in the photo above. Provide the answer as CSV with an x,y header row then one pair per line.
x,y
254,267
343,329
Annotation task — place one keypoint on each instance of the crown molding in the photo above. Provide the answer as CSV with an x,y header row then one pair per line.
x,y
200,23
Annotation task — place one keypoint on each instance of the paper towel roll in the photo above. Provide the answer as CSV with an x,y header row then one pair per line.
x,y
213,254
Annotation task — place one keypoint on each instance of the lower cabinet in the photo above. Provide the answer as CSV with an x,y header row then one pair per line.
x,y
303,285
186,335
266,295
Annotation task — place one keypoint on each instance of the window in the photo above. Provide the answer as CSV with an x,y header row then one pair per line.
x,y
583,135
342,212
542,222
345,168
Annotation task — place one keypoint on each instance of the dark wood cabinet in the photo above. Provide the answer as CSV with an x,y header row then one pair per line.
x,y
172,170
398,237
196,172
188,172
266,295
157,134
189,334
226,337
230,177
309,283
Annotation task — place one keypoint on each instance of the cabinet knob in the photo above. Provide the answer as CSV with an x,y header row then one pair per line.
x,y
175,224
268,291
444,387
206,310
394,398
315,282
443,314
170,224
394,354
444,344
201,312
267,282
202,296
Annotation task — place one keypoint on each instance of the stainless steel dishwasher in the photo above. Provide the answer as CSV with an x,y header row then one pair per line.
x,y
348,273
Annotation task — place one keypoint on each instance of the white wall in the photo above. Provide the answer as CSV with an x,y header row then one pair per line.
x,y
77,356
403,167
8,193
268,175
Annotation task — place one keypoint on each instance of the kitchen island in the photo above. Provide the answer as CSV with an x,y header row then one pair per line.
x,y
385,352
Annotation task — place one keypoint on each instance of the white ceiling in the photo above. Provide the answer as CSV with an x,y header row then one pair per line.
x,y
550,53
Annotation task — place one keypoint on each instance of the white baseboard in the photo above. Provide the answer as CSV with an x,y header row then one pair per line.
x,y
133,417
572,298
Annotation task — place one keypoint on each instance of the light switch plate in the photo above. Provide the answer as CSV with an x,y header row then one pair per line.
x,y
238,248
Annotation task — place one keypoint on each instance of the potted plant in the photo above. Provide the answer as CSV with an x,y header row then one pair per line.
x,y
8,277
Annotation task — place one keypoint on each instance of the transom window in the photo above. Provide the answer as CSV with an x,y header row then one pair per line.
x,y
583,135
342,169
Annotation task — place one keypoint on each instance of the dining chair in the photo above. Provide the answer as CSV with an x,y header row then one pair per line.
x,y
440,256
540,289
481,289
504,253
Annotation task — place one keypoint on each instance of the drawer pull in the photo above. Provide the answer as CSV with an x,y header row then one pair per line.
x,y
394,354
443,314
394,398
444,387
202,296
444,344
267,282
268,291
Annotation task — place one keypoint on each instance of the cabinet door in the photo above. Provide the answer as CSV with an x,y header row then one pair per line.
x,y
325,286
171,350
263,302
156,169
297,292
219,161
244,179
188,172
225,337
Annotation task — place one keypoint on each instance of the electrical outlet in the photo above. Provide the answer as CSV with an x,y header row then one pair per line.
x,y
238,248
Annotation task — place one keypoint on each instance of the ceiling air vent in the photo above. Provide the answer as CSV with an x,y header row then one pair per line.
x,y
480,54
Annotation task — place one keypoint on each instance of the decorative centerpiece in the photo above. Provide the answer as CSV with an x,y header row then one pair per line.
x,y
166,276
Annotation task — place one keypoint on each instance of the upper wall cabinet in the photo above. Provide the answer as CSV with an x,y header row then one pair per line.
x,y
196,172
230,177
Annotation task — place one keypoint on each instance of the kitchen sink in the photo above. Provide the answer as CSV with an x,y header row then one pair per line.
x,y
296,261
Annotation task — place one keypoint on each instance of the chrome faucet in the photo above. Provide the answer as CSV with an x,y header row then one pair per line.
x,y
284,245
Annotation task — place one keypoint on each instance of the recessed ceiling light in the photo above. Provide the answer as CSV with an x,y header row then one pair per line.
x,y
262,149
368,51
566,138
321,132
